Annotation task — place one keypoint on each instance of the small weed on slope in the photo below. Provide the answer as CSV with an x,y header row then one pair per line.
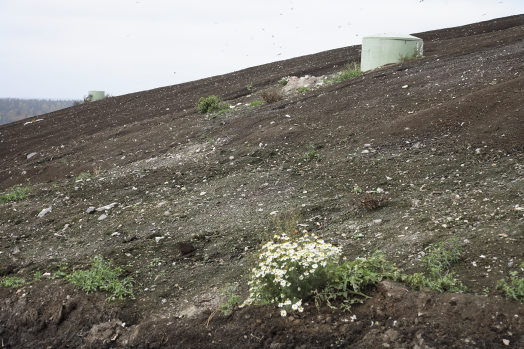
x,y
255,103
12,281
15,193
311,154
232,298
515,287
438,261
347,281
210,104
103,277
351,70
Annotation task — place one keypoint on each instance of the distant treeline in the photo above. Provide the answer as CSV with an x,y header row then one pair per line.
x,y
13,109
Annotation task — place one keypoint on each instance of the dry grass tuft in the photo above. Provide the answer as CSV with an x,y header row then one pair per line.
x,y
370,202
271,96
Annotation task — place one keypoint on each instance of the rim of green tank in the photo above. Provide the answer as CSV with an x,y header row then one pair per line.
x,y
392,36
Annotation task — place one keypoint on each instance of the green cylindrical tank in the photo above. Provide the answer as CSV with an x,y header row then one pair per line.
x,y
381,49
96,95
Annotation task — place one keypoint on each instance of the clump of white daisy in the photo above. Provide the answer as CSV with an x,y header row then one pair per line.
x,y
289,269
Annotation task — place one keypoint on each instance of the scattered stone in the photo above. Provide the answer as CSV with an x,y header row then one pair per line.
x,y
16,250
167,213
365,151
158,238
29,156
115,234
102,217
107,207
506,342
405,86
91,209
45,211
377,221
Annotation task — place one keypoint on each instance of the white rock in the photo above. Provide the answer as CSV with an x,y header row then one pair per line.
x,y
29,156
158,238
115,234
365,151
107,207
102,217
45,211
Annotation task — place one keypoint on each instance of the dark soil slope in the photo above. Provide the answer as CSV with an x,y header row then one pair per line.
x,y
195,194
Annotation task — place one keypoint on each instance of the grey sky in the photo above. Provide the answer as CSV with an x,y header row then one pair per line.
x,y
62,49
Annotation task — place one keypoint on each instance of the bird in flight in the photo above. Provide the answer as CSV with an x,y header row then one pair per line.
x,y
279,54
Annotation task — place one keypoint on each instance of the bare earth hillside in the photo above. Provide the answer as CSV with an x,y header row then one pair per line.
x,y
195,195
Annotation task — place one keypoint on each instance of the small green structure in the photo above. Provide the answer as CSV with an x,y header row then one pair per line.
x,y
96,95
382,49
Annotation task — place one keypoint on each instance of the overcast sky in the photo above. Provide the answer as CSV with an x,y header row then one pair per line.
x,y
62,49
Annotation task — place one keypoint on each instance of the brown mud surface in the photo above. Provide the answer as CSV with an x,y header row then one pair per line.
x,y
442,135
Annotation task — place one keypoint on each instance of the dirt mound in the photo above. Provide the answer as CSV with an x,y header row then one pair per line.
x,y
180,200
395,317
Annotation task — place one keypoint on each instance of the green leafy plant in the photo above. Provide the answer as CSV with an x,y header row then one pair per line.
x,y
102,276
351,70
15,193
84,175
37,276
284,81
357,190
348,281
61,273
232,298
515,287
312,154
288,270
438,261
210,104
12,281
255,103
303,89
154,263
249,87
